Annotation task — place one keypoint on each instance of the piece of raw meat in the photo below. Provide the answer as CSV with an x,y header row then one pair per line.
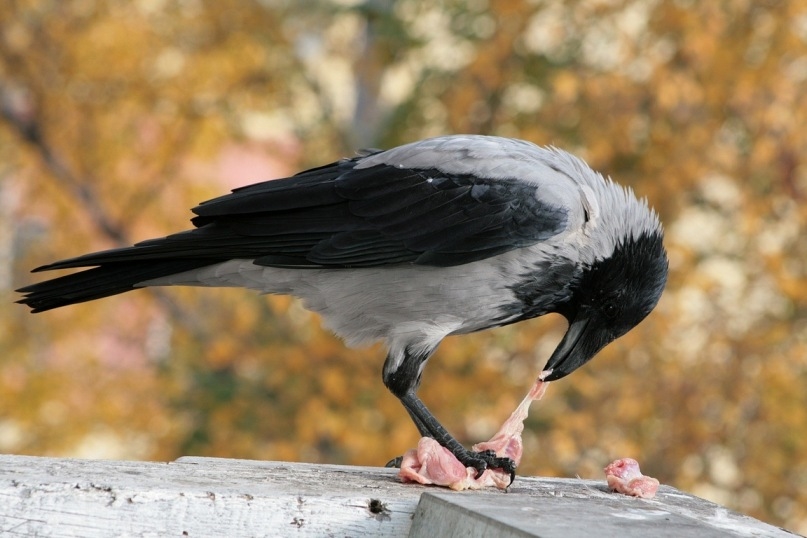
x,y
623,476
431,463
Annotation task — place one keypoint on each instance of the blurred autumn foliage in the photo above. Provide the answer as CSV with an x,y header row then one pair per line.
x,y
118,116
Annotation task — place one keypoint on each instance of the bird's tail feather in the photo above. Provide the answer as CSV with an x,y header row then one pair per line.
x,y
107,279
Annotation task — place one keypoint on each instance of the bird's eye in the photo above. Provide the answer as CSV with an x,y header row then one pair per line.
x,y
610,310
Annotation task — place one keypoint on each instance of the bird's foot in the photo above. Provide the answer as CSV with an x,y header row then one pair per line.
x,y
487,459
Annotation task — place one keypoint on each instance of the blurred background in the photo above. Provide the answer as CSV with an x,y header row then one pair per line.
x,y
116,117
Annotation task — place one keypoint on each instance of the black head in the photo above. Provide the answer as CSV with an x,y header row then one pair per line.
x,y
612,296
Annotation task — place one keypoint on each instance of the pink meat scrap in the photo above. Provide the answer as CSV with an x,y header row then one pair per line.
x,y
431,463
623,476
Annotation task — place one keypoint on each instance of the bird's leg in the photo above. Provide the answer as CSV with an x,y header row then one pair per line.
x,y
402,377
478,460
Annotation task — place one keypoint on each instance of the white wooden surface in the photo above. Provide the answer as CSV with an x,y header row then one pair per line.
x,y
217,497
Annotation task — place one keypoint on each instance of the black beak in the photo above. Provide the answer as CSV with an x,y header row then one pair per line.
x,y
583,339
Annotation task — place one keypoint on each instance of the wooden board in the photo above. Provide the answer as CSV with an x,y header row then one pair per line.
x,y
220,497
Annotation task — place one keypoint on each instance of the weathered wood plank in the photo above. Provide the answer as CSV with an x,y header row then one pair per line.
x,y
199,497
220,497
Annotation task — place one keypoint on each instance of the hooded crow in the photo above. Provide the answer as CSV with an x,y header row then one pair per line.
x,y
445,236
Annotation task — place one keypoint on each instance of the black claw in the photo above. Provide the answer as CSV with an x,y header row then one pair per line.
x,y
507,465
395,463
480,466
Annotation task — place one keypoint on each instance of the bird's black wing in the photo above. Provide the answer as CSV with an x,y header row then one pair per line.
x,y
343,216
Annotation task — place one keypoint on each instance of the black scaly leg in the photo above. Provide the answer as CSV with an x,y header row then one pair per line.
x,y
403,382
